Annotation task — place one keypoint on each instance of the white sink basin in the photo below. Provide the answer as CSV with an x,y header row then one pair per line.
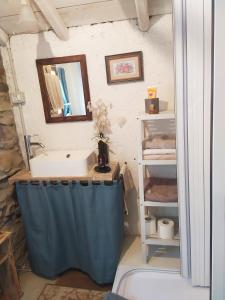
x,y
62,163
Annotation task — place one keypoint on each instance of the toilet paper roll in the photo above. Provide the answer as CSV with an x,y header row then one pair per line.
x,y
150,225
166,228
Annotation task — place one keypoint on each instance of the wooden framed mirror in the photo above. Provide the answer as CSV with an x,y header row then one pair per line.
x,y
64,88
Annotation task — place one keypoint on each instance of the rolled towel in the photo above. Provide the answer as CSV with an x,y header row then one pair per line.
x,y
161,189
160,157
127,178
128,183
158,151
160,141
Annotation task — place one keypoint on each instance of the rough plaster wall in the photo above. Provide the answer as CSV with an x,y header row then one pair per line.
x,y
127,99
10,162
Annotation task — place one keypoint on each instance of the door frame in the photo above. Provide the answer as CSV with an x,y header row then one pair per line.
x,y
192,49
218,160
180,66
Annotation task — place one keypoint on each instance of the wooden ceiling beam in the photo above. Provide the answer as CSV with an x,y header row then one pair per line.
x,y
4,38
142,14
53,18
95,12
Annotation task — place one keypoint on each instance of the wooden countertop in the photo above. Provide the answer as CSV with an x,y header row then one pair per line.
x,y
25,175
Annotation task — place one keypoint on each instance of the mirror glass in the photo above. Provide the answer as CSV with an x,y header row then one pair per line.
x,y
64,88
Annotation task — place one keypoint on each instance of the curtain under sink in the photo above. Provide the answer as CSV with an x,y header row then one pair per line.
x,y
73,225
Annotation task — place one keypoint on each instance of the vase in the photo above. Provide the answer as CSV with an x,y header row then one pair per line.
x,y
103,158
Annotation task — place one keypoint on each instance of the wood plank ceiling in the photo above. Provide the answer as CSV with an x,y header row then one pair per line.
x,y
77,12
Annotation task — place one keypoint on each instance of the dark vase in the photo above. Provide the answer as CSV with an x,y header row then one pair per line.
x,y
103,158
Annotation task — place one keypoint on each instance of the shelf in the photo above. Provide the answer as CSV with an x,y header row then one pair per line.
x,y
151,124
160,204
155,240
132,256
160,116
147,162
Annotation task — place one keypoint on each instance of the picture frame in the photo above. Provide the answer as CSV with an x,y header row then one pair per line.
x,y
124,67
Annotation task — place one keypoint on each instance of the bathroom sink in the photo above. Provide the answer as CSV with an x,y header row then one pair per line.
x,y
62,163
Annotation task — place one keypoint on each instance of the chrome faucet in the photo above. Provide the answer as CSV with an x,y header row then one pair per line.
x,y
37,144
28,145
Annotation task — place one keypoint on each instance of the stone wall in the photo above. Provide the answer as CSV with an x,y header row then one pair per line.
x,y
10,162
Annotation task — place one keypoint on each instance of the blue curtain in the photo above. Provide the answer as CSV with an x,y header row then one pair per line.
x,y
71,225
64,90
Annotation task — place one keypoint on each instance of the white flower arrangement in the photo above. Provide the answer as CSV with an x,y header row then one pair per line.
x,y
102,124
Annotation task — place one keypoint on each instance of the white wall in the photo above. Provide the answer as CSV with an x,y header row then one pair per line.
x,y
127,99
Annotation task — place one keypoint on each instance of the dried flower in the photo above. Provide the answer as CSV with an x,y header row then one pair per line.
x,y
99,111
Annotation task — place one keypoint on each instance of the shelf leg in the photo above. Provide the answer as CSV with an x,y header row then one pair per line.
x,y
145,252
149,252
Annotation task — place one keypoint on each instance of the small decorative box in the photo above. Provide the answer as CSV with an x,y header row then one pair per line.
x,y
152,106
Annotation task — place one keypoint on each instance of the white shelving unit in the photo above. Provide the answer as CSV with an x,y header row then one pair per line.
x,y
153,239
157,162
160,204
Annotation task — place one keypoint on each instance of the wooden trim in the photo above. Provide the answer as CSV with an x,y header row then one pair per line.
x,y
53,18
142,8
156,7
25,176
137,54
104,11
45,97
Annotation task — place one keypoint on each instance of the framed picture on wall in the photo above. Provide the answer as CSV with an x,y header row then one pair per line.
x,y
124,67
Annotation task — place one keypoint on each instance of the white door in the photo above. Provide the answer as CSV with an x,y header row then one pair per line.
x,y
199,62
218,155
192,32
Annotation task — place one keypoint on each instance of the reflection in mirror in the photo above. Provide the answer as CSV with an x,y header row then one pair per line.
x,y
64,87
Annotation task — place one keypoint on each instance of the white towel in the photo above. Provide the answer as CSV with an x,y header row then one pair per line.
x,y
158,151
128,183
54,91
